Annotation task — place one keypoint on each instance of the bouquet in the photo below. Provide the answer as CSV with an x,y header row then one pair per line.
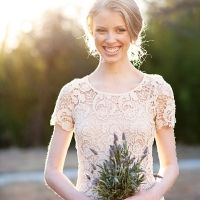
x,y
121,175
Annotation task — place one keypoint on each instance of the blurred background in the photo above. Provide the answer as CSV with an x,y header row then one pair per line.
x,y
42,48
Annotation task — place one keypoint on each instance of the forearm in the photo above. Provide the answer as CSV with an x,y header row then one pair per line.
x,y
163,185
60,184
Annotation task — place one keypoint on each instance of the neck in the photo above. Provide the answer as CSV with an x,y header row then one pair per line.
x,y
115,69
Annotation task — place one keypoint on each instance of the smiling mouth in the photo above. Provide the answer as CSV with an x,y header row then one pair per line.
x,y
111,50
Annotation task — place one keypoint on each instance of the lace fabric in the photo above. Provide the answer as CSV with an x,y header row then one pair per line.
x,y
94,116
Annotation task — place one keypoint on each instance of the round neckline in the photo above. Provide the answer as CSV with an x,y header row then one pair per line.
x,y
117,93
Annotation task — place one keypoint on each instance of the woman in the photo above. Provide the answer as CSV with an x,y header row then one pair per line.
x,y
115,98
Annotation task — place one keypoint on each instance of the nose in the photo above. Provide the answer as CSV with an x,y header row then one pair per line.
x,y
110,37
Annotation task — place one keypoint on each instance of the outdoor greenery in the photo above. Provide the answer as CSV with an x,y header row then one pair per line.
x,y
174,44
54,53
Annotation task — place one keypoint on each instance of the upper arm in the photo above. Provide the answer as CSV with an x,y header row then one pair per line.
x,y
58,147
165,122
62,119
166,146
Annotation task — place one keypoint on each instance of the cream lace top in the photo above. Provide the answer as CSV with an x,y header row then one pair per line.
x,y
94,116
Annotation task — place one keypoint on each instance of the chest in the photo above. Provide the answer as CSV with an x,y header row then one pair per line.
x,y
114,113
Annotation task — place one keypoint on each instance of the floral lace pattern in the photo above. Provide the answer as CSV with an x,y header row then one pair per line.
x,y
94,117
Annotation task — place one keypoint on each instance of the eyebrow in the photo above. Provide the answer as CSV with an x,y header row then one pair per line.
x,y
120,26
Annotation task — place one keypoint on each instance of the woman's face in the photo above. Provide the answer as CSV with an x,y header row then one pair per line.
x,y
111,36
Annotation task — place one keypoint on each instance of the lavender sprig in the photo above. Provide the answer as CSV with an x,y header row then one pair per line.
x,y
121,175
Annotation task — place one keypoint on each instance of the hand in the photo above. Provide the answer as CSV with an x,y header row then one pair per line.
x,y
144,195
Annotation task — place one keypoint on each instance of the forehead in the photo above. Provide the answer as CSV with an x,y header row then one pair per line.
x,y
106,17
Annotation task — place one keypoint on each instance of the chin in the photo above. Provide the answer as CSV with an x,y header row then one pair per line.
x,y
111,60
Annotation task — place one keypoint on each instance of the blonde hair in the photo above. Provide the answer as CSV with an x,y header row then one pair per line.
x,y
133,20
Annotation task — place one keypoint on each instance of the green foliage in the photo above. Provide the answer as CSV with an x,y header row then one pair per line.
x,y
53,53
173,32
31,76
120,176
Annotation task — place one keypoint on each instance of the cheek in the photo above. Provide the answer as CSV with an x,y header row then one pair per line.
x,y
98,39
125,42
127,39
128,42
98,36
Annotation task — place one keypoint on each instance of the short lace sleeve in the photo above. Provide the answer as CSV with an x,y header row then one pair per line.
x,y
165,105
62,113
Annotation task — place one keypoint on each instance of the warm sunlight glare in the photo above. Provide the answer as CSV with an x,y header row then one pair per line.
x,y
18,16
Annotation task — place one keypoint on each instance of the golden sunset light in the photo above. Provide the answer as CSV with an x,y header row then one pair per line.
x,y
18,16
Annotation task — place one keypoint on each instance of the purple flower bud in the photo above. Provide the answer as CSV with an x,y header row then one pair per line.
x,y
132,160
94,152
123,136
115,138
88,177
93,166
111,153
157,176
111,147
142,158
146,150
95,181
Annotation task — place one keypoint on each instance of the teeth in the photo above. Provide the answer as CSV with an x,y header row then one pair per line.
x,y
112,49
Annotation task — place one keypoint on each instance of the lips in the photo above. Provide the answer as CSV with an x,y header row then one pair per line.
x,y
111,50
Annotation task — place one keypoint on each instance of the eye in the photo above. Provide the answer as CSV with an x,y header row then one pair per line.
x,y
100,30
121,30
